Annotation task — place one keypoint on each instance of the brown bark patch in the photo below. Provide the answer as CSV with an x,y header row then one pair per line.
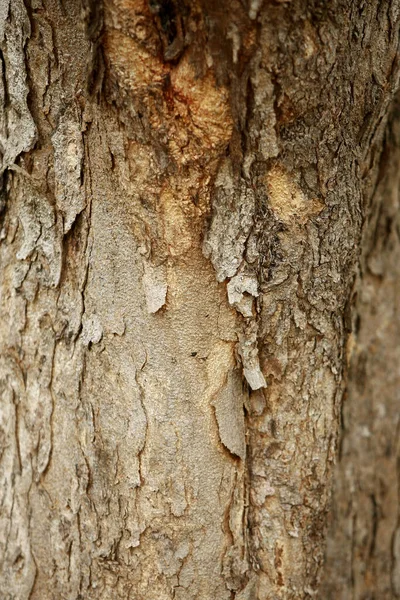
x,y
187,116
287,199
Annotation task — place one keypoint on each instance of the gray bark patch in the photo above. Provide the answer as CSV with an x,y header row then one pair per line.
x,y
229,413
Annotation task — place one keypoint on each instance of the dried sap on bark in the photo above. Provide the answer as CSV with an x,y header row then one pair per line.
x,y
171,106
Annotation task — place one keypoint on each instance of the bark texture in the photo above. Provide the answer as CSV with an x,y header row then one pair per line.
x,y
363,551
187,188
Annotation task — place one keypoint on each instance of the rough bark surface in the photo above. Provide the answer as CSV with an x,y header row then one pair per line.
x,y
186,188
363,551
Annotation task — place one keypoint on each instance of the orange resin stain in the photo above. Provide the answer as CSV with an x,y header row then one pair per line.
x,y
188,115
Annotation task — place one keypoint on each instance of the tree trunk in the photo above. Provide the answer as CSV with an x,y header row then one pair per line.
x,y
363,552
199,252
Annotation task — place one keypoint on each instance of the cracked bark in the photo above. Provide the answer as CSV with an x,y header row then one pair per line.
x,y
199,256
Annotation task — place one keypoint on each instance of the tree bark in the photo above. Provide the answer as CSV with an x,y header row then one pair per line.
x,y
363,550
199,255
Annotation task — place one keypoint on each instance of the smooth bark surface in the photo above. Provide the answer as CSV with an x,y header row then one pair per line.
x,y
195,208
